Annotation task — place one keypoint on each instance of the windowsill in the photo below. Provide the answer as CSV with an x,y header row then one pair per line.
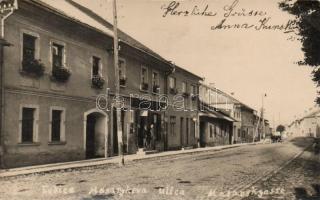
x,y
29,144
57,143
156,93
123,86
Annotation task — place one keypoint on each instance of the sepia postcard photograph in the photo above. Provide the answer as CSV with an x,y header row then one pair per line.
x,y
159,99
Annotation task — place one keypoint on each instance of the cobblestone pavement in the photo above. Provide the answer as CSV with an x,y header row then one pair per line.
x,y
299,180
207,175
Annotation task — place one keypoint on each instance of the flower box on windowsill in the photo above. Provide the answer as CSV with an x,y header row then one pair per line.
x,y
33,67
173,91
123,81
97,82
61,74
156,89
144,86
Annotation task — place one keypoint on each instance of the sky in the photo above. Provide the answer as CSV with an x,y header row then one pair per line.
x,y
246,62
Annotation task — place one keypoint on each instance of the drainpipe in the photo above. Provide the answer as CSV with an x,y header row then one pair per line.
x,y
3,44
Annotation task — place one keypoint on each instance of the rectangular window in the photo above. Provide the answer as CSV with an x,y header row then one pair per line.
x,y
29,47
172,82
27,127
193,90
57,55
155,82
155,79
56,125
144,75
122,69
96,62
144,85
211,127
184,87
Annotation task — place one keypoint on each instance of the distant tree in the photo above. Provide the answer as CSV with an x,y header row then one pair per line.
x,y
280,128
307,15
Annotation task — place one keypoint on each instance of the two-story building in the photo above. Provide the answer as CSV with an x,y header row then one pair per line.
x,y
182,112
216,123
53,73
307,125
225,110
59,91
248,123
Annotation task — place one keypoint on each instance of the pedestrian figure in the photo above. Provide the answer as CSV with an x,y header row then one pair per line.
x,y
148,139
152,136
145,133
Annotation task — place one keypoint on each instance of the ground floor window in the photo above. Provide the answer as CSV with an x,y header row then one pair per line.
x,y
57,124
28,124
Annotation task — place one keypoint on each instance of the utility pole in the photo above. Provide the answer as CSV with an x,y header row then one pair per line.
x,y
274,124
262,116
117,84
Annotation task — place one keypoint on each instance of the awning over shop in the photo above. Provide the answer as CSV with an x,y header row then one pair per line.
x,y
216,115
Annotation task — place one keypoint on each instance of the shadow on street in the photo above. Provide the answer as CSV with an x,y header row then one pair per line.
x,y
301,193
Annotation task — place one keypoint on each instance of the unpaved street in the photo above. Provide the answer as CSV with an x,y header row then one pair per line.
x,y
211,175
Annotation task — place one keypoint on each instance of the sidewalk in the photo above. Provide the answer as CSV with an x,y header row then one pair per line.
x,y
107,161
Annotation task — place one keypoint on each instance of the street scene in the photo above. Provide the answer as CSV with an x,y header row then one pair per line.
x,y
211,175
140,99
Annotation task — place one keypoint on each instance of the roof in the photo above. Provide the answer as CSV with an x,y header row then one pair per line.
x,y
216,115
188,72
211,112
122,35
313,114
65,9
234,100
77,12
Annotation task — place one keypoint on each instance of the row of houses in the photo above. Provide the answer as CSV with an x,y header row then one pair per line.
x,y
57,71
306,126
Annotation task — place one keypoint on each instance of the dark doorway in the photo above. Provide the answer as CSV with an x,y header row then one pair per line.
x,y
202,134
115,133
90,144
95,135
157,126
231,132
187,131
166,127
142,131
